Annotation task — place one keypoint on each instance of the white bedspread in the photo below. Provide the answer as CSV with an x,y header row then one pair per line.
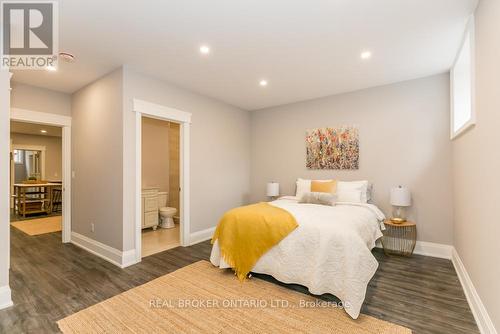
x,y
329,252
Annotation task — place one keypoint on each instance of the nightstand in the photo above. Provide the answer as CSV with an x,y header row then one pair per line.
x,y
399,239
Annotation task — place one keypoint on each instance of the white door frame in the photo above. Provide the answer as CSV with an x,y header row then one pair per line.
x,y
36,117
152,110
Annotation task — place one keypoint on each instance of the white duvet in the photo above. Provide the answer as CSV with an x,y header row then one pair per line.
x,y
329,252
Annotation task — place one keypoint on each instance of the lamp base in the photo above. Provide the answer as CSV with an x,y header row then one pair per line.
x,y
398,215
398,220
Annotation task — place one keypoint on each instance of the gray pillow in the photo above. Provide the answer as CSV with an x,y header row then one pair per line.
x,y
318,198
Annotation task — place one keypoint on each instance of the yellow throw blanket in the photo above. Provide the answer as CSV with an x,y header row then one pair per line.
x,y
246,233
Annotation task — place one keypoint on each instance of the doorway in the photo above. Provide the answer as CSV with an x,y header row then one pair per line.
x,y
35,180
183,119
42,190
160,162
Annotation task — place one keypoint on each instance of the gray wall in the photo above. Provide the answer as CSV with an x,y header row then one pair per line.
x,y
404,139
476,166
97,159
220,150
40,99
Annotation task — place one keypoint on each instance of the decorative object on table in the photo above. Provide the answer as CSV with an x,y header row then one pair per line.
x,y
399,238
400,199
332,148
273,190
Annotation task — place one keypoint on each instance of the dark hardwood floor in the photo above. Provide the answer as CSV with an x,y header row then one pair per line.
x,y
51,280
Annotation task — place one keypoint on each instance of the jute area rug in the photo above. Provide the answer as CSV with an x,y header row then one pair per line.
x,y
39,226
200,298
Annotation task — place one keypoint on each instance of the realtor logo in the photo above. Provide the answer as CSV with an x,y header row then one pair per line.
x,y
29,34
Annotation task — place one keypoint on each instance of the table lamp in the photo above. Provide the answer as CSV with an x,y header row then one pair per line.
x,y
400,199
273,190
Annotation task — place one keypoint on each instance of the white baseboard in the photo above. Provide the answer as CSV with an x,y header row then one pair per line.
x,y
128,258
433,249
481,316
201,236
430,249
110,254
5,297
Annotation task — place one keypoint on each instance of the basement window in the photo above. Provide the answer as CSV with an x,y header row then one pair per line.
x,y
462,85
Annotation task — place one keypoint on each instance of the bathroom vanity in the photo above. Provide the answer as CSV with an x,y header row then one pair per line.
x,y
149,212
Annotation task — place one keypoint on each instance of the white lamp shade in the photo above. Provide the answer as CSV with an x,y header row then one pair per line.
x,y
273,189
400,196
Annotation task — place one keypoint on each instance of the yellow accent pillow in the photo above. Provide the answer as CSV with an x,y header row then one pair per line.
x,y
324,186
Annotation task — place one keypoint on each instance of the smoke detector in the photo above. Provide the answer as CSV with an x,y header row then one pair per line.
x,y
67,57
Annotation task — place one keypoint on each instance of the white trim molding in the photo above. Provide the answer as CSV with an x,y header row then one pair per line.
x,y
425,248
5,297
161,112
478,309
201,236
105,252
156,111
430,249
66,186
36,117
128,258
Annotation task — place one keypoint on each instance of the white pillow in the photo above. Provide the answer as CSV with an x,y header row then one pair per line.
x,y
350,190
303,186
350,196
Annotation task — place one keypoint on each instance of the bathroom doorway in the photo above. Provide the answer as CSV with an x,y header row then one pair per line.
x,y
160,185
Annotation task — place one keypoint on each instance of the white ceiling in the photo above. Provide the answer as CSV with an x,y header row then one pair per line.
x,y
305,49
35,129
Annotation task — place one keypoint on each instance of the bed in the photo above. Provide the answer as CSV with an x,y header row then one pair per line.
x,y
329,251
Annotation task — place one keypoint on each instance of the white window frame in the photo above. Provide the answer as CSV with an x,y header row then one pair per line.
x,y
469,33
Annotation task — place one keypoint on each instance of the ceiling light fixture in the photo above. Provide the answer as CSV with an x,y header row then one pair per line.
x,y
366,55
204,49
263,83
51,68
43,131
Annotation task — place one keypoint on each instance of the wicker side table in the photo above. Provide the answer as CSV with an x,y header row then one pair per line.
x,y
399,239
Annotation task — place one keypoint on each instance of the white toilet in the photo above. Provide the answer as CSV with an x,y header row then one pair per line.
x,y
166,213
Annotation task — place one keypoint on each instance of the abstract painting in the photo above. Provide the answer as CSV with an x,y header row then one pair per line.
x,y
333,148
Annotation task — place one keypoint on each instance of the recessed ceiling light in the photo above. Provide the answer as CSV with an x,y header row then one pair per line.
x,y
204,49
263,83
366,55
51,68
43,131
